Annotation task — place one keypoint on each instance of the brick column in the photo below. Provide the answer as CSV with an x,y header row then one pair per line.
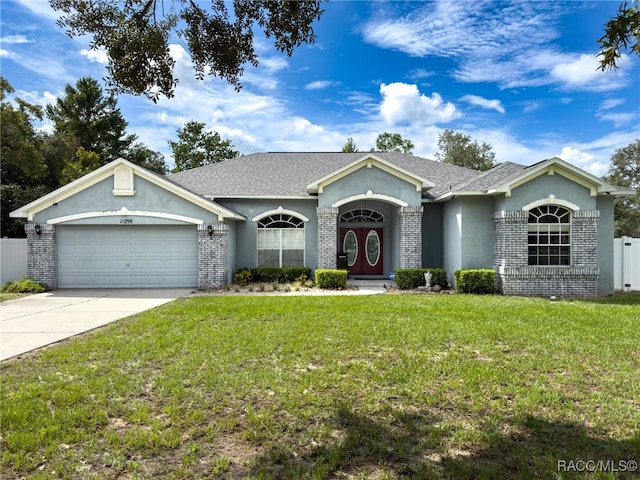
x,y
42,254
410,237
213,269
327,237
584,238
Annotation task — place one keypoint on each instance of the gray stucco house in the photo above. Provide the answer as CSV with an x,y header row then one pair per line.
x,y
546,229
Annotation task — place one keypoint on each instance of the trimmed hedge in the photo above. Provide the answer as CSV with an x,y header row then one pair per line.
x,y
331,278
476,281
270,274
412,278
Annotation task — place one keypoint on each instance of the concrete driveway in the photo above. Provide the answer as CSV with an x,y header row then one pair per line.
x,y
38,320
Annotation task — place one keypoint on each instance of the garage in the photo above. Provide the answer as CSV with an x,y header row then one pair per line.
x,y
139,256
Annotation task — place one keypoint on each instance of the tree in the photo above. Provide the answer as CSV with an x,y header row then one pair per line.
x,y
93,120
458,149
350,146
393,142
620,33
136,34
23,170
142,155
196,148
625,172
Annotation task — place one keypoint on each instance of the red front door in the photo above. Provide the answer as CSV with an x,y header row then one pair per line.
x,y
363,248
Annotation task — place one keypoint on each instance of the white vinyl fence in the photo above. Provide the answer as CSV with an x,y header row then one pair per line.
x,y
626,264
13,259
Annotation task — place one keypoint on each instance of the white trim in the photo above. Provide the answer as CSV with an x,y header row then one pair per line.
x,y
369,161
551,200
106,171
371,196
595,185
126,213
278,211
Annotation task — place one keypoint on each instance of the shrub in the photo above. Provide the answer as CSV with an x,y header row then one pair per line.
x,y
25,285
476,281
242,277
411,278
278,274
331,278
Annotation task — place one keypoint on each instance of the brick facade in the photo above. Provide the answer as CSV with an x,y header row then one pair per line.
x,y
327,237
213,251
42,254
516,277
410,237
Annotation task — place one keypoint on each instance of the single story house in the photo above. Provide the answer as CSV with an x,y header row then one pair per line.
x,y
546,229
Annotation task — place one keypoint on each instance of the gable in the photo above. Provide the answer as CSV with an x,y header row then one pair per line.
x,y
369,161
111,184
557,166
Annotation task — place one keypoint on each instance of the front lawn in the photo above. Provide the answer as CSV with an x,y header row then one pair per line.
x,y
380,387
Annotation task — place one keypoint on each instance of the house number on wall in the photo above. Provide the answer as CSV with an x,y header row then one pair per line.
x,y
126,220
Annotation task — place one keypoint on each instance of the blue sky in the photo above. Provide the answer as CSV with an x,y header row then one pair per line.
x,y
521,76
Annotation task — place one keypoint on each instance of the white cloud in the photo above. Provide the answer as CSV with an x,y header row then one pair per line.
x,y
618,119
96,55
15,39
503,43
403,103
320,85
581,72
611,103
484,103
584,160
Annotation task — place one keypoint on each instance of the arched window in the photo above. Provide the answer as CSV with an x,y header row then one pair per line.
x,y
280,241
362,215
549,237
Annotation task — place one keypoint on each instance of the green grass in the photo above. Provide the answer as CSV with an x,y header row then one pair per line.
x,y
382,387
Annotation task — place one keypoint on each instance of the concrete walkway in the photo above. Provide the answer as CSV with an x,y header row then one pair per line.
x,y
38,320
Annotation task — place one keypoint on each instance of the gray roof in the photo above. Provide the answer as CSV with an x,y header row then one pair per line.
x,y
489,179
288,174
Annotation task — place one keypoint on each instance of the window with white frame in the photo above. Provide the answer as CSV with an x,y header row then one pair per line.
x,y
280,241
549,235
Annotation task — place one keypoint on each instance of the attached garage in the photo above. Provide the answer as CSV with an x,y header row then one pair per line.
x,y
95,256
122,226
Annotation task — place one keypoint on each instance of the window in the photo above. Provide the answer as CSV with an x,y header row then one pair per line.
x,y
362,215
549,236
280,241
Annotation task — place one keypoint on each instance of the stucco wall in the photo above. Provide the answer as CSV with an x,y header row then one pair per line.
x,y
432,235
545,185
452,238
477,232
374,179
245,234
605,245
148,197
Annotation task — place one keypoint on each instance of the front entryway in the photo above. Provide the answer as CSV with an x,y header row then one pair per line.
x,y
363,248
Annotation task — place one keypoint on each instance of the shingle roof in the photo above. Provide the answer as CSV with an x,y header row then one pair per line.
x,y
491,178
288,174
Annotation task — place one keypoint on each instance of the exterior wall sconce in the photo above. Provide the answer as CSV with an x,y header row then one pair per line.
x,y
210,230
38,229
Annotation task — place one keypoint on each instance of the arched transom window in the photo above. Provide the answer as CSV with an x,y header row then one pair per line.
x,y
280,241
362,215
549,235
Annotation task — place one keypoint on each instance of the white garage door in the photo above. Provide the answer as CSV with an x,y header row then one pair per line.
x,y
127,256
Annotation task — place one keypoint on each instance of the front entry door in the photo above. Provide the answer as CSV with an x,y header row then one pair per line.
x,y
363,248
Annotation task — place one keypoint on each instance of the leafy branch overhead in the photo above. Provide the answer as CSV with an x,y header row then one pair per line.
x,y
136,36
621,33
